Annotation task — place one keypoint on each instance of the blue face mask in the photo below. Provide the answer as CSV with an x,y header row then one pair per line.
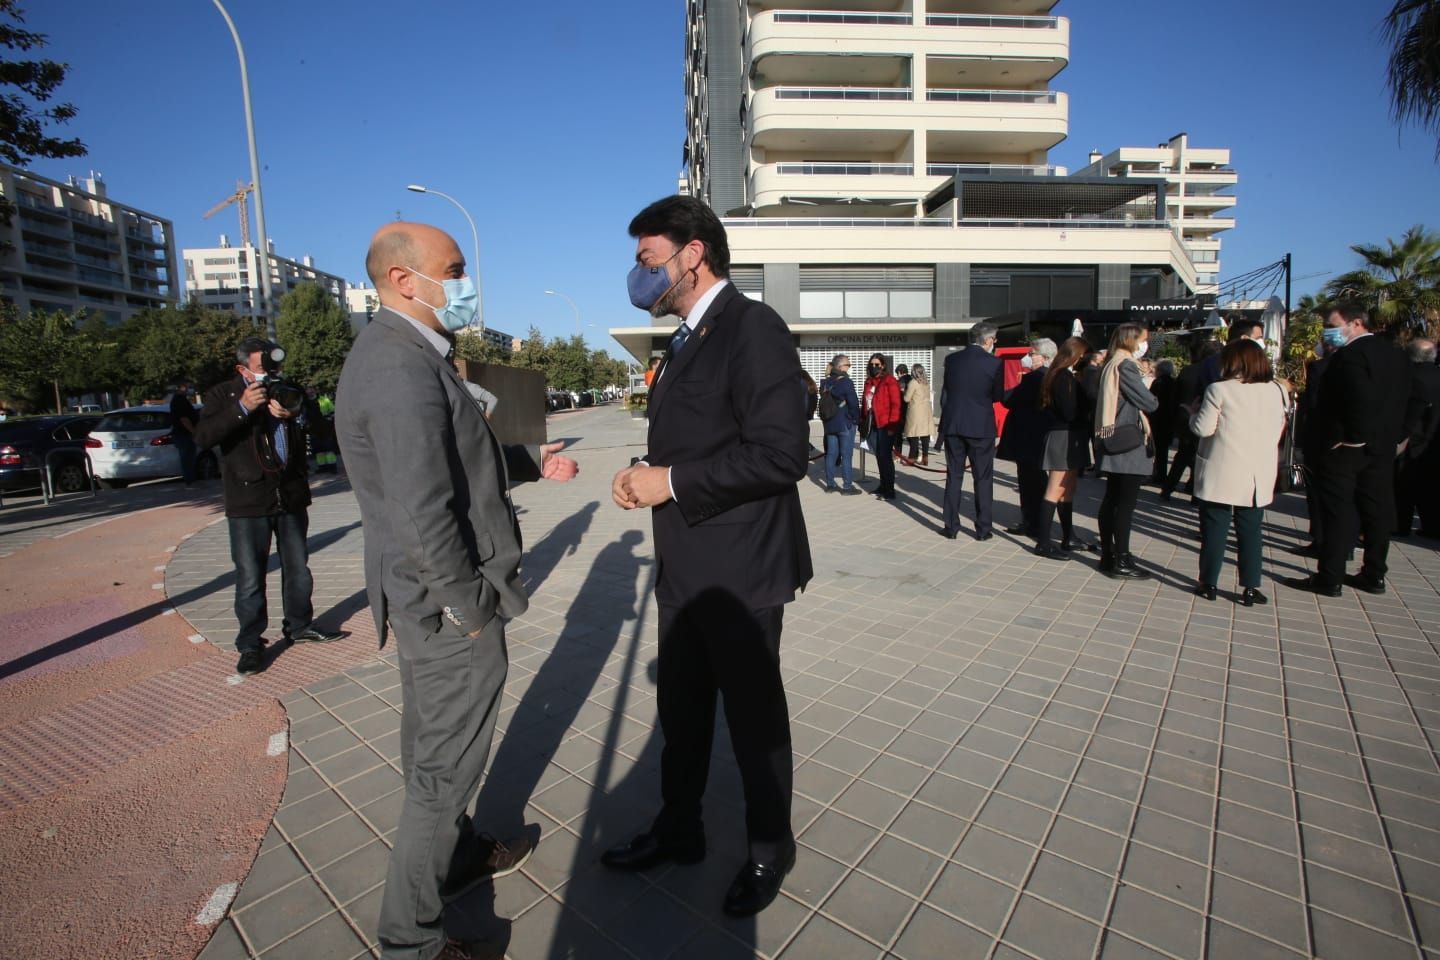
x,y
648,285
1334,337
462,301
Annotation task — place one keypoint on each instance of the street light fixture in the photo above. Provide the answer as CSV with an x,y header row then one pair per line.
x,y
557,293
263,267
474,270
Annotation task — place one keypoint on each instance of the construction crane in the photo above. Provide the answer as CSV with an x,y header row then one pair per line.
x,y
239,197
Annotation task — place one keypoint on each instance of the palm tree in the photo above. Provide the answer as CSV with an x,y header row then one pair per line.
x,y
1413,30
1400,282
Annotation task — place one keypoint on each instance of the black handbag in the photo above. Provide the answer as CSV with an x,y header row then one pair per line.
x,y
867,423
1123,439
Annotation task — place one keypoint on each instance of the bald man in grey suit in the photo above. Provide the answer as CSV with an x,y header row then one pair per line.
x,y
442,556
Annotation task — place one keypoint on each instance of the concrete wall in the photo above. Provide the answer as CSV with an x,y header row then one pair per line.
x,y
519,417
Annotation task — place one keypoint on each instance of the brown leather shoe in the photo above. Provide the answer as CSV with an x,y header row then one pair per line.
x,y
470,950
496,859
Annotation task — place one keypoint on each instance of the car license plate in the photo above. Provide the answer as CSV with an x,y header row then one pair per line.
x,y
126,444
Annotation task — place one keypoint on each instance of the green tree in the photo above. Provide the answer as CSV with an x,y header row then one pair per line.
x,y
570,365
475,348
534,353
1399,282
160,345
26,87
315,332
1302,332
216,334
36,350
1413,29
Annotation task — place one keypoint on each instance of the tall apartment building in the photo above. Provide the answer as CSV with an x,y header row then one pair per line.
x,y
361,302
1195,199
69,247
882,169
224,277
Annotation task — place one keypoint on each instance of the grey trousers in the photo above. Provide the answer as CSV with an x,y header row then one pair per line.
x,y
451,687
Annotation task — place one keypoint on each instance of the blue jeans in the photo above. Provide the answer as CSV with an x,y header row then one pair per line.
x,y
841,447
250,550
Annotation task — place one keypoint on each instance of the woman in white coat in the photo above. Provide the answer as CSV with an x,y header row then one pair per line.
x,y
1239,423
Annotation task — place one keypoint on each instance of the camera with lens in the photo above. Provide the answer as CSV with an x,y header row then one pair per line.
x,y
287,393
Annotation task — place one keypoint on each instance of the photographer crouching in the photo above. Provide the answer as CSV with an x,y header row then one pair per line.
x,y
252,418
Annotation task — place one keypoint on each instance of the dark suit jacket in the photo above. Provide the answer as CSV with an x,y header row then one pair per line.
x,y
442,547
1367,388
974,383
1028,424
727,415
252,488
1422,415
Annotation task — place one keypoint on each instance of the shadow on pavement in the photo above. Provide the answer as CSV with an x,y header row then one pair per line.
x,y
562,541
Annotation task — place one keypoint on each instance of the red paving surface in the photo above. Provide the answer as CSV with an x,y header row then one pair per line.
x,y
134,780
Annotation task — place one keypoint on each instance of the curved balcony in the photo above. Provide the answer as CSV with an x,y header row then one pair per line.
x,y
775,32
772,184
837,119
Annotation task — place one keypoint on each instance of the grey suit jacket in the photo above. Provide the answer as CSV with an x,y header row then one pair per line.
x,y
442,546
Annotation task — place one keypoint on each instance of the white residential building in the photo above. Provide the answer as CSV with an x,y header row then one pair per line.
x,y
361,301
882,169
69,247
1196,203
224,277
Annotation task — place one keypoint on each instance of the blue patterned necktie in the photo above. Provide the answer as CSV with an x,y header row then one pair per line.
x,y
678,338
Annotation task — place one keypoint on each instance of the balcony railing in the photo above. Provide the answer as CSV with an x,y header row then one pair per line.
x,y
30,225
136,234
991,169
826,222
88,218
975,20
26,200
846,169
843,16
53,271
102,243
842,93
943,95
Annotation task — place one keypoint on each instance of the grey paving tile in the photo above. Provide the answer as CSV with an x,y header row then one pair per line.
x,y
273,869
839,837
225,944
1156,922
998,856
1375,906
814,877
932,935
822,938
902,864
357,872
1085,844
1337,937
927,827
1044,931
869,907
1259,911
275,918
982,902
1170,876
1076,888
334,840
330,939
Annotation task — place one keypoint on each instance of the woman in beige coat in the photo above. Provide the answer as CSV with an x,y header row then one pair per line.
x,y
1239,423
919,419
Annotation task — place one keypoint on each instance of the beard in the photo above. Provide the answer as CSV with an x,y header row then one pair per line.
x,y
666,304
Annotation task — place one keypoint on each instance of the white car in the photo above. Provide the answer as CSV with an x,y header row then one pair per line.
x,y
136,444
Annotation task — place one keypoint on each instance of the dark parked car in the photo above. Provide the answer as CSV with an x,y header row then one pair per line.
x,y
25,443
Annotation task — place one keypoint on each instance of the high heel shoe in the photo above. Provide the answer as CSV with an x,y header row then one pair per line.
x,y
1206,591
1253,598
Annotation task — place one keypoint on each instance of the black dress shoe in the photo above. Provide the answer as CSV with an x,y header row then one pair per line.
x,y
1366,583
1078,544
251,661
982,537
1314,584
1250,597
648,850
1125,568
1311,550
757,884
1206,591
313,635
1018,531
949,533
1049,551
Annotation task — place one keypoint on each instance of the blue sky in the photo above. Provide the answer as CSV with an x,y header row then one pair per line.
x,y
553,123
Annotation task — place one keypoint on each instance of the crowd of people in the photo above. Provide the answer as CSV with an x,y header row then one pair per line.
x,y
1359,435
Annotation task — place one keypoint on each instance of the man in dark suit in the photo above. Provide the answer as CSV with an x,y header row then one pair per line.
x,y
727,447
1361,418
267,499
442,557
1312,445
974,383
1415,473
1023,440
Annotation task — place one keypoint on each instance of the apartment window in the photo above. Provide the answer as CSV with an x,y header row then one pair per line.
x,y
219,261
1144,286
866,292
994,292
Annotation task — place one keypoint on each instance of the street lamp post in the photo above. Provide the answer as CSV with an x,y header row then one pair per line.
x,y
474,270
557,293
263,267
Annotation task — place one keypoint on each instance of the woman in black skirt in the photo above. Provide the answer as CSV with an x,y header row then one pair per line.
x,y
1067,448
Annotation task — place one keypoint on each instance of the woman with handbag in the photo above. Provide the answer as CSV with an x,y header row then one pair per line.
x,y
880,420
1239,423
919,419
1126,450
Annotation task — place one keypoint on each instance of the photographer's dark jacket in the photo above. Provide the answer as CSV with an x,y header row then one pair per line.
x,y
254,487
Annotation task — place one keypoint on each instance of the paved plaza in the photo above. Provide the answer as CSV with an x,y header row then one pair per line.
x,y
996,755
